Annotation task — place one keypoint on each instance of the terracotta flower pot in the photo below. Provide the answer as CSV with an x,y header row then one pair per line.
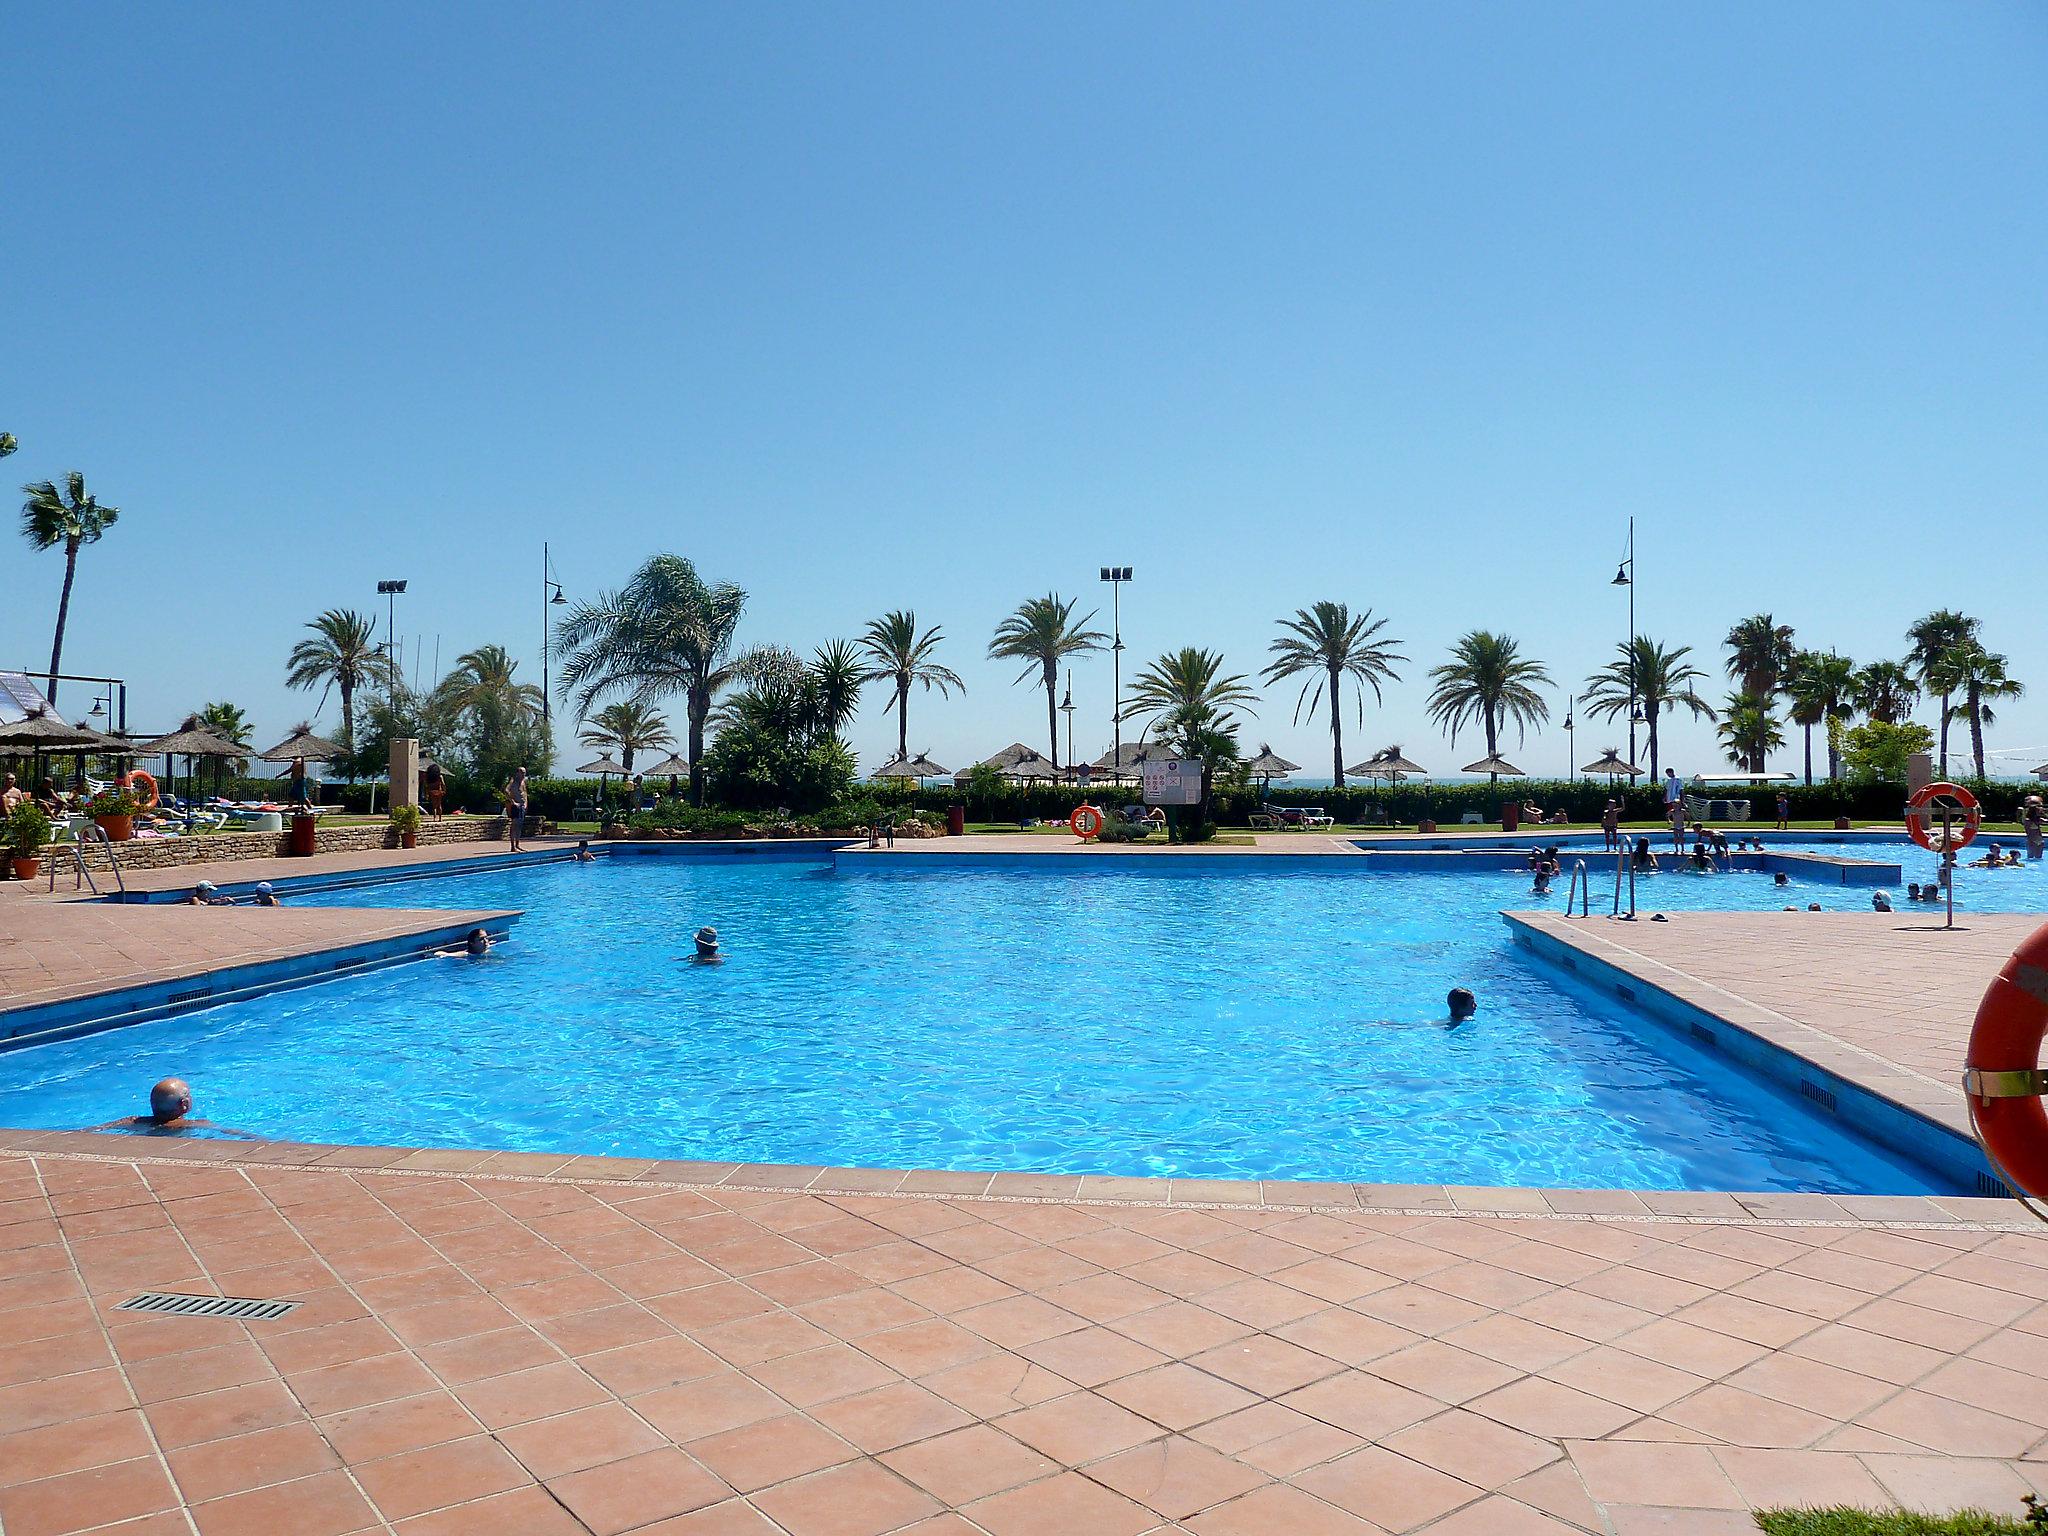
x,y
1425,826
119,829
26,869
408,839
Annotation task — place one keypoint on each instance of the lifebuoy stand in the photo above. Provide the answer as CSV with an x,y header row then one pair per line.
x,y
1941,801
2003,1083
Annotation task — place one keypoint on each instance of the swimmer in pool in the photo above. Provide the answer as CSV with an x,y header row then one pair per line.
x,y
170,1114
1880,902
707,947
1462,1005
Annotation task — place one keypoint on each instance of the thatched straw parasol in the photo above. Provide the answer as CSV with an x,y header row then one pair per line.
x,y
918,767
1389,764
41,731
192,740
672,765
1270,765
1612,765
1493,766
302,743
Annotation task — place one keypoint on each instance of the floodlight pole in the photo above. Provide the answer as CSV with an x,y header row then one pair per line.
x,y
389,590
1625,576
1116,576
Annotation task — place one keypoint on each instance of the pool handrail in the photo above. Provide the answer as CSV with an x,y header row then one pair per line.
x,y
1582,883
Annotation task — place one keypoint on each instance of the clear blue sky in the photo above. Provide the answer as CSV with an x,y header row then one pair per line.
x,y
944,306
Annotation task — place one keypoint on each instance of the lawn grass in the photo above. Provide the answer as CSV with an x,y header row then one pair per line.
x,y
1844,1521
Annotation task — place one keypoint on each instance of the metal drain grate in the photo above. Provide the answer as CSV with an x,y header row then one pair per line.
x,y
174,1305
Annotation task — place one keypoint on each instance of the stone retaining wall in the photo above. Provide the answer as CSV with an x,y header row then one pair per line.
x,y
170,852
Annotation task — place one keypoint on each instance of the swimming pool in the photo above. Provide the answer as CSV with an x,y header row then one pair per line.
x,y
1151,1021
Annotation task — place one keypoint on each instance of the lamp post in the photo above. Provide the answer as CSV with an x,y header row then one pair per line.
x,y
1625,576
1067,709
550,595
1571,741
389,590
1116,576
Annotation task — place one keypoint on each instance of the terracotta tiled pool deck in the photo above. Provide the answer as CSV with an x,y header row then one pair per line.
x,y
532,1343
545,1350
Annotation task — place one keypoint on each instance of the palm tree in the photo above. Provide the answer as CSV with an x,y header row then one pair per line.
x,y
343,656
8,444
74,519
1759,654
1189,679
1886,692
1928,643
666,631
1979,676
1328,644
1749,730
898,654
627,726
231,723
1488,681
1652,678
483,678
1821,690
1042,633
838,672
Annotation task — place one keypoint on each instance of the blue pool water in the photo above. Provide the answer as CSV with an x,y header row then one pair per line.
x,y
1233,1023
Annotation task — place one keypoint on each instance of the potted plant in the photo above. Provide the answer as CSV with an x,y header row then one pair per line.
x,y
26,830
114,809
405,820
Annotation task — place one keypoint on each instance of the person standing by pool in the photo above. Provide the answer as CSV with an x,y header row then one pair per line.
x,y
1784,811
2030,823
1610,824
434,786
1674,809
298,793
515,805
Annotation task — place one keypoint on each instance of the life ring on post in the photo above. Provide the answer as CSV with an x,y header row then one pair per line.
x,y
135,776
1924,816
1086,822
2003,1082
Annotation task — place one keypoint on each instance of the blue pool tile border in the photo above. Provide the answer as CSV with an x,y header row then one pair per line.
x,y
1899,1127
72,1017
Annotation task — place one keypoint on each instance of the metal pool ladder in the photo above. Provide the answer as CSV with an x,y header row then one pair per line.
x,y
81,875
1582,884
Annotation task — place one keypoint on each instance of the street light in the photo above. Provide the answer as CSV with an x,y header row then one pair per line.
x,y
1570,739
1067,709
550,595
389,590
1116,576
1625,576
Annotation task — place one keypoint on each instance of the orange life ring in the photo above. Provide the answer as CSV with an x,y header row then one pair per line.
x,y
1923,825
2003,1083
1086,821
128,783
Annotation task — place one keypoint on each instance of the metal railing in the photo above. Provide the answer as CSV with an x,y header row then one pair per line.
x,y
81,872
1582,885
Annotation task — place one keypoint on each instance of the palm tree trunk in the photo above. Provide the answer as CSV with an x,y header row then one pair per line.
x,y
902,717
63,613
1944,735
699,705
1336,729
1808,729
348,723
1052,712
1653,746
1976,704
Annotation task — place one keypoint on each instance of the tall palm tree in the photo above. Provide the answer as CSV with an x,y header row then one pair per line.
x,y
627,726
8,444
899,655
1886,692
1979,675
1759,655
1489,682
1328,644
483,678
74,519
231,723
1821,690
666,631
1928,642
1654,678
1749,730
1042,633
341,656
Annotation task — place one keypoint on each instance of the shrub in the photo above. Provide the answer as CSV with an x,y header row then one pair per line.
x,y
26,829
405,818
113,801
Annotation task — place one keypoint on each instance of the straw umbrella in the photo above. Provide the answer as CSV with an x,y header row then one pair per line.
x,y
1610,763
605,766
1388,763
1270,765
912,768
41,732
192,740
672,765
302,743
